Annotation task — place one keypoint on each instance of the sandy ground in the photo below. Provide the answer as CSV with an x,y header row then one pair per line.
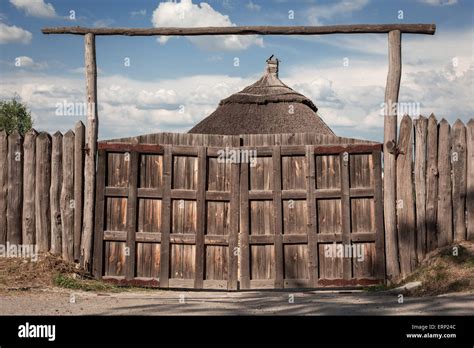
x,y
53,301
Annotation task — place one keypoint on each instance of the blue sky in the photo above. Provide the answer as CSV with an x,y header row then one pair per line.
x,y
170,85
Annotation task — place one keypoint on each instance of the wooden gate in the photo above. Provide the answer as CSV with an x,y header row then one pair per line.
x,y
170,216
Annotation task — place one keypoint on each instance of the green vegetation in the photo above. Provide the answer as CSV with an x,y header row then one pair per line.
x,y
15,116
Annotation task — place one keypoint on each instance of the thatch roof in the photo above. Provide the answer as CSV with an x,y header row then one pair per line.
x,y
265,107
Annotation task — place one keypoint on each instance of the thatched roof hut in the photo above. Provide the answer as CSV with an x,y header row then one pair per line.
x,y
266,107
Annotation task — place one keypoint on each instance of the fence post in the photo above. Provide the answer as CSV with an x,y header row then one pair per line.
x,y
3,185
470,179
43,181
29,180
389,155
55,192
458,159
445,213
405,203
15,187
67,193
79,143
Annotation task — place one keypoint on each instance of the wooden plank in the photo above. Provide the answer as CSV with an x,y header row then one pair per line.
x,y
346,213
165,219
458,159
29,180
405,203
201,218
277,214
67,197
312,219
90,156
379,226
132,206
389,160
421,131
432,184
244,247
128,147
233,251
349,148
470,180
15,188
250,30
55,192
42,202
445,207
79,143
3,185
99,215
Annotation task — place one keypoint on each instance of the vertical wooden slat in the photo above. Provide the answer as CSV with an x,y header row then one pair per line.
x,y
67,197
277,215
470,180
233,254
244,227
405,203
431,184
312,218
421,130
99,215
43,182
445,207
29,179
3,185
132,206
389,158
15,187
345,213
379,226
458,158
79,142
90,168
55,192
201,218
165,218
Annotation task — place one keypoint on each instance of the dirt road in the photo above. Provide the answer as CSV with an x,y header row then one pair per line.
x,y
62,302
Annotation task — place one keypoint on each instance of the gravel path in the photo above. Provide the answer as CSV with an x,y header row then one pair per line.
x,y
58,302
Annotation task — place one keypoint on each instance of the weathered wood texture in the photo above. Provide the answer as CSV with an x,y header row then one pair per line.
x,y
90,156
67,202
431,184
43,182
29,183
389,159
79,143
470,180
421,131
3,186
250,30
15,188
459,177
445,204
55,192
405,202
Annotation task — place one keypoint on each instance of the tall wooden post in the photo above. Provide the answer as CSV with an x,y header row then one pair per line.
x,y
91,149
390,151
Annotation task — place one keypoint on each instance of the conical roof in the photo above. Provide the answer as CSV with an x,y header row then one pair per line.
x,y
266,107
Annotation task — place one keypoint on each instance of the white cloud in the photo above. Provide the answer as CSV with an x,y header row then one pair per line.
x,y
13,34
28,63
439,2
35,8
319,13
103,23
139,13
253,7
186,14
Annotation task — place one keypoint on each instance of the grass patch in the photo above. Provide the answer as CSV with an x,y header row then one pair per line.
x,y
69,282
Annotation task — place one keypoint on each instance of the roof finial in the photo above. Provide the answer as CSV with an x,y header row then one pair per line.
x,y
272,66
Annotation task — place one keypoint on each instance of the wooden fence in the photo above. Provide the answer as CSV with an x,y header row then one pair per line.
x,y
41,190
435,189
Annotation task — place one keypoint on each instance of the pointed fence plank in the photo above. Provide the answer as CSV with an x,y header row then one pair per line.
x,y
67,197
79,142
432,184
15,187
445,206
3,185
55,192
458,159
43,182
470,180
29,180
405,203
421,130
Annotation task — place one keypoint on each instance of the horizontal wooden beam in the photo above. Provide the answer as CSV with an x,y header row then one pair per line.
x,y
250,30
